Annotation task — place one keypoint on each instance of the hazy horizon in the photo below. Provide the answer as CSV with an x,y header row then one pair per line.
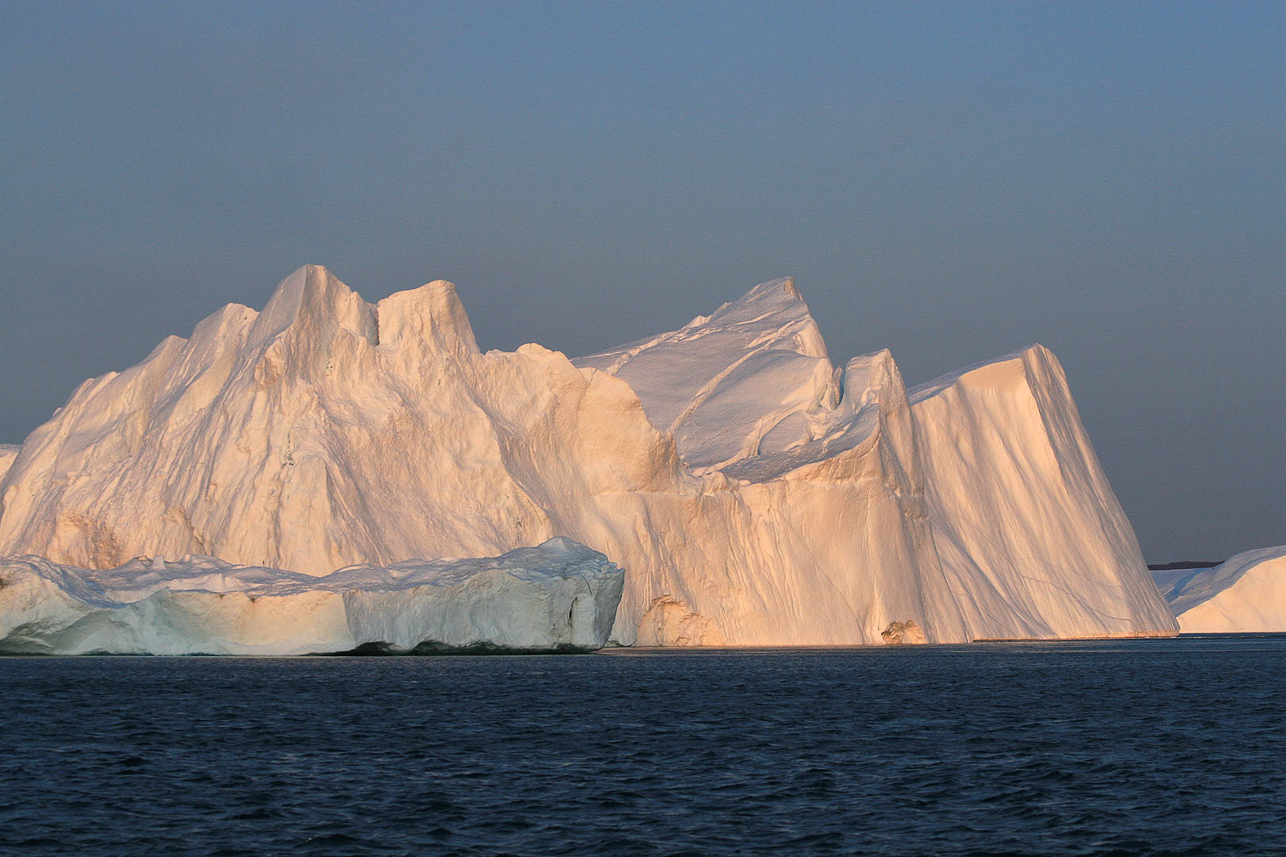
x,y
949,181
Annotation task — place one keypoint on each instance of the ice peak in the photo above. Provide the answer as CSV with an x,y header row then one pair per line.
x,y
768,299
316,298
432,314
782,287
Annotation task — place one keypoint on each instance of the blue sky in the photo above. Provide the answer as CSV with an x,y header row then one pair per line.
x,y
951,181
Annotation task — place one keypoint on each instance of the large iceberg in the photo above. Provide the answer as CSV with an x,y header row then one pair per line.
x,y
755,493
558,596
1246,593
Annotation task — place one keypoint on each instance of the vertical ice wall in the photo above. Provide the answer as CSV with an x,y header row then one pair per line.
x,y
1028,530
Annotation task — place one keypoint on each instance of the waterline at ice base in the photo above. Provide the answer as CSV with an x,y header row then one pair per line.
x,y
753,492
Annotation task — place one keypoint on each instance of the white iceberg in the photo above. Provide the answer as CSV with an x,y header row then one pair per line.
x,y
755,493
1244,594
558,596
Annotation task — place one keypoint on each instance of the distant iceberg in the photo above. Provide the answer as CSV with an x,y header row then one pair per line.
x,y
560,596
1246,593
754,492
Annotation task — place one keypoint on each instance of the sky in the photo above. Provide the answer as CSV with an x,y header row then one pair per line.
x,y
951,181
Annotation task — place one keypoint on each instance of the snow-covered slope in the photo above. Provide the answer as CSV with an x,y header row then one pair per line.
x,y
754,494
740,382
557,595
1246,593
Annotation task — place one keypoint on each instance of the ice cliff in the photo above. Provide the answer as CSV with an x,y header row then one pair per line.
x,y
559,595
755,493
1246,593
1027,529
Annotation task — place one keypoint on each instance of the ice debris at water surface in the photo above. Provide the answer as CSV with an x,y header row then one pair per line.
x,y
1244,594
754,492
558,596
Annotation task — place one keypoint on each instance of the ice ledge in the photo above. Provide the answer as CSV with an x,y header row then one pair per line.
x,y
559,596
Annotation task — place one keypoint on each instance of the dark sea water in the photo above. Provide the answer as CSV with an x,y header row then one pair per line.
x,y
1131,747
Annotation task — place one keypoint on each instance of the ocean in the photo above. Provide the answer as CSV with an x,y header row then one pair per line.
x,y
1159,746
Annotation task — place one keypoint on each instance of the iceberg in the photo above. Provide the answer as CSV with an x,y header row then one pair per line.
x,y
754,492
559,596
1244,594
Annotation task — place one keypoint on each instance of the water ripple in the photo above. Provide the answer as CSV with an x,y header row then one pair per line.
x,y
1164,747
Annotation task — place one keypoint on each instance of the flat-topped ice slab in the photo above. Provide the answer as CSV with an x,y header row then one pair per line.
x,y
558,596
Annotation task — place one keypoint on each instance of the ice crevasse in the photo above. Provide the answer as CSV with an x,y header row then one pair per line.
x,y
753,492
